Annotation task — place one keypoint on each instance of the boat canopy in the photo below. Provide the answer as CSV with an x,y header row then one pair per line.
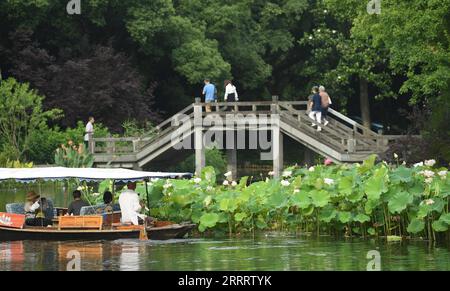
x,y
31,175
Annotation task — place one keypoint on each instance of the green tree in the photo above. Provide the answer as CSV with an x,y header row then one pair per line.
x,y
21,115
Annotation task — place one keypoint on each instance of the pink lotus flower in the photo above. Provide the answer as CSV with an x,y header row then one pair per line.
x,y
328,162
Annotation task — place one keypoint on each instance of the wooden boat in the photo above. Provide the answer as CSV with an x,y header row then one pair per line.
x,y
97,227
174,231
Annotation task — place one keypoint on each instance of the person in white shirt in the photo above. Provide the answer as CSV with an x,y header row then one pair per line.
x,y
231,94
89,131
130,205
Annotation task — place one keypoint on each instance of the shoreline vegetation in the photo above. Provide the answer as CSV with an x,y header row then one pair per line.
x,y
362,200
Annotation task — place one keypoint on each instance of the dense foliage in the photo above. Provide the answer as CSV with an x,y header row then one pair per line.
x,y
359,199
136,59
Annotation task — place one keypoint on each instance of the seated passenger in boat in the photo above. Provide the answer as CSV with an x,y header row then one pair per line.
x,y
130,205
108,200
35,209
75,206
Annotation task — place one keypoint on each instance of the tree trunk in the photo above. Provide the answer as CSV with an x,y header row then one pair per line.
x,y
364,102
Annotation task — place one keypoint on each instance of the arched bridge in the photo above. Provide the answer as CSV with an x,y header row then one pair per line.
x,y
342,140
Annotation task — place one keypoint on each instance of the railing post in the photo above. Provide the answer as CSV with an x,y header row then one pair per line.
x,y
351,145
277,138
198,137
91,143
275,107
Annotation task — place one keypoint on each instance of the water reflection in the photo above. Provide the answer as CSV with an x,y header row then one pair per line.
x,y
261,254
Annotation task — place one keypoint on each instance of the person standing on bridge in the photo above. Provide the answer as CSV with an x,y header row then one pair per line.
x,y
89,132
326,102
209,91
316,109
231,94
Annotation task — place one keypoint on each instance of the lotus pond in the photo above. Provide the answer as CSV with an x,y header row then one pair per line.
x,y
364,200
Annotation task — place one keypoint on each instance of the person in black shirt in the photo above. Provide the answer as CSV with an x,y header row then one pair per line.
x,y
316,109
77,204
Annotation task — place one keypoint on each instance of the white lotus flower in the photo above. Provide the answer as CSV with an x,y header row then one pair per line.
x,y
209,188
328,181
197,180
443,174
395,156
271,173
404,163
325,11
167,185
430,163
296,191
80,188
228,174
287,173
428,180
285,183
418,165
318,30
310,37
234,184
429,202
427,173
312,169
226,183
334,31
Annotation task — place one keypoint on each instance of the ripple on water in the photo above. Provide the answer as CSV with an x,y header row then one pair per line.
x,y
224,248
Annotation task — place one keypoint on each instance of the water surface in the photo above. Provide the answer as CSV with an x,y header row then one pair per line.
x,y
265,253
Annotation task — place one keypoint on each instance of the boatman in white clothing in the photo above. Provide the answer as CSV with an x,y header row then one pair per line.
x,y
89,132
130,205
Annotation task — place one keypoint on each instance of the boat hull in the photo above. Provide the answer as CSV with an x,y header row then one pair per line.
x,y
42,234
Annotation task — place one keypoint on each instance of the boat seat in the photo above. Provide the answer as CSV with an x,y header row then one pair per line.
x,y
97,209
15,208
19,208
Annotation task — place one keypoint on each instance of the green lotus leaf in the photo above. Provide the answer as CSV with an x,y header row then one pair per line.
x,y
356,196
416,226
297,183
401,174
301,200
209,220
240,216
399,202
439,226
361,218
445,218
327,214
308,211
320,198
277,199
374,187
228,205
209,175
371,205
367,165
371,231
344,216
346,185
